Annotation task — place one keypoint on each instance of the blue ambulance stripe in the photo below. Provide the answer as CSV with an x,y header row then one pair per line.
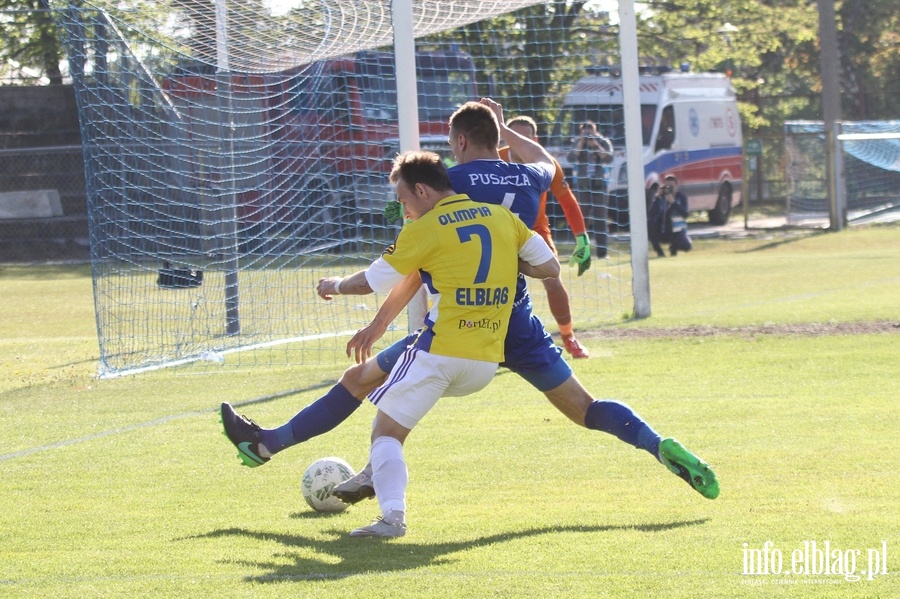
x,y
671,160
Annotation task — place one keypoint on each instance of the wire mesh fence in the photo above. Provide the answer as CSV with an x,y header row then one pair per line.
x,y
49,181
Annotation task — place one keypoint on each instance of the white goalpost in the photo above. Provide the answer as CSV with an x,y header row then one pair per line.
x,y
408,117
636,198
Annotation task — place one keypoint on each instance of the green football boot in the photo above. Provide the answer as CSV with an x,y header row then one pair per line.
x,y
686,465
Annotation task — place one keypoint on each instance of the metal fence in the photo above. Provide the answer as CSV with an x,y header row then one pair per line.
x,y
35,227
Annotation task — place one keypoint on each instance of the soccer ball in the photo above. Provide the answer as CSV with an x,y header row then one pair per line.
x,y
318,481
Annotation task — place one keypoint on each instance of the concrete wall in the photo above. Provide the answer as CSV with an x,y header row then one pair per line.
x,y
40,153
38,116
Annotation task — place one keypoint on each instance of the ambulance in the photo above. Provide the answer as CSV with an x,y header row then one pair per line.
x,y
690,128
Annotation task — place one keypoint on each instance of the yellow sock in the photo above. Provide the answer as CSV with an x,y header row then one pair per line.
x,y
565,329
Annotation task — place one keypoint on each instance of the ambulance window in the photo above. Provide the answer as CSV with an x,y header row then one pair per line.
x,y
666,136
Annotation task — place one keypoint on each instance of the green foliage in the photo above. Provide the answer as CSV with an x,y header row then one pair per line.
x,y
754,40
31,43
774,53
870,47
530,57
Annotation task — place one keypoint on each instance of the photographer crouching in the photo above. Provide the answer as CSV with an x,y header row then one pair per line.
x,y
667,219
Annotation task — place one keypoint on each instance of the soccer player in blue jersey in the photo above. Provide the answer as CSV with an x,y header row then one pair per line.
x,y
530,351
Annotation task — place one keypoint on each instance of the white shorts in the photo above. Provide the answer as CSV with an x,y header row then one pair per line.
x,y
419,379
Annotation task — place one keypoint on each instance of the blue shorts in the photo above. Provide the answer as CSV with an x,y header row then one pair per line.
x,y
530,352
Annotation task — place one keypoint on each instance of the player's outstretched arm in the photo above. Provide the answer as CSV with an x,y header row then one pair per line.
x,y
563,194
360,345
365,338
355,284
528,150
567,201
581,257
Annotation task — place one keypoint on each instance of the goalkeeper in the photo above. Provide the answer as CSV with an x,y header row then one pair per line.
x,y
557,297
530,352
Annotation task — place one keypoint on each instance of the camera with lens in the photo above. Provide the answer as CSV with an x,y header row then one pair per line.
x,y
666,190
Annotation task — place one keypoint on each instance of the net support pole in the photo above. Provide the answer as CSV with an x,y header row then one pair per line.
x,y
407,114
637,198
829,65
229,246
839,204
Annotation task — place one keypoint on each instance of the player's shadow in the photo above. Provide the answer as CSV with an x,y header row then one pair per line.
x,y
345,557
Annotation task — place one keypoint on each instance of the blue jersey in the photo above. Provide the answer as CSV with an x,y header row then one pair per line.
x,y
515,186
530,351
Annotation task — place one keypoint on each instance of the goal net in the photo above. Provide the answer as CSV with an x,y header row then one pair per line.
x,y
237,151
870,152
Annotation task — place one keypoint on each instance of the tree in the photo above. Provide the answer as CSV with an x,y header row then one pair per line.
x,y
769,48
31,41
32,34
869,42
774,53
527,57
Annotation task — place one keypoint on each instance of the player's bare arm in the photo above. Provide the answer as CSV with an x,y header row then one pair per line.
x,y
360,345
355,284
545,270
397,299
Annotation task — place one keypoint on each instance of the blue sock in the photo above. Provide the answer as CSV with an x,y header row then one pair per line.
x,y
618,419
315,419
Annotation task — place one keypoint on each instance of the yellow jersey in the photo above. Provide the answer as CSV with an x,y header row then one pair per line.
x,y
467,254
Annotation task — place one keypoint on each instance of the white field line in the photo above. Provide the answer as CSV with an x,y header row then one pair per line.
x,y
157,422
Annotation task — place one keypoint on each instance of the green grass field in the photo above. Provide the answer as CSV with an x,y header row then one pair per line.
x,y
127,488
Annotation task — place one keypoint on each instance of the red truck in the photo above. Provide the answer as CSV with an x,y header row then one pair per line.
x,y
306,151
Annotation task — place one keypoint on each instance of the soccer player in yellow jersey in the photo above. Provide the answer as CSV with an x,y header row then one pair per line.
x,y
529,350
469,256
